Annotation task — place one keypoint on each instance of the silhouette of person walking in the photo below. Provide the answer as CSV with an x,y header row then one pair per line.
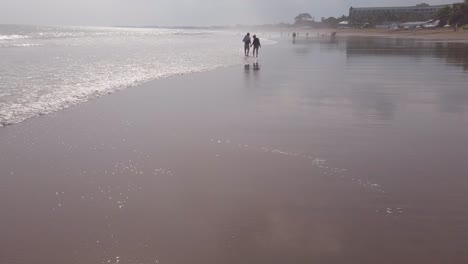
x,y
256,45
247,42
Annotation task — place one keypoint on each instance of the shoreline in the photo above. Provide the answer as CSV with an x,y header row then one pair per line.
x,y
113,92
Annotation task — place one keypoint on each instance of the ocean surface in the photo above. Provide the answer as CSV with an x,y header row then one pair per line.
x,y
43,69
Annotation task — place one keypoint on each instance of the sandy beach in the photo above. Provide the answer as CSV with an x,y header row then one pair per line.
x,y
351,151
440,34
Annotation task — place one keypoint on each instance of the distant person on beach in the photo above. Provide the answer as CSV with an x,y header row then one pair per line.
x,y
247,43
256,45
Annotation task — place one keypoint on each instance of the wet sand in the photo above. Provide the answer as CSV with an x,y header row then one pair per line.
x,y
438,34
329,152
441,34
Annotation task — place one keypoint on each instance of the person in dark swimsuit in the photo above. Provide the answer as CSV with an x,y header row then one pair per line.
x,y
256,45
247,42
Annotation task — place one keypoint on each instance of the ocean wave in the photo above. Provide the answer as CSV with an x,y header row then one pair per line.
x,y
13,37
69,95
191,33
21,45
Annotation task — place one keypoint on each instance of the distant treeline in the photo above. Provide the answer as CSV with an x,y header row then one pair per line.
x,y
306,20
385,16
455,15
334,21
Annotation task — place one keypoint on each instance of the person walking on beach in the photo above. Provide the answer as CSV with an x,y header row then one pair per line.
x,y
256,45
247,42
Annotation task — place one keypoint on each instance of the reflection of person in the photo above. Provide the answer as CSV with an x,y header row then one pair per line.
x,y
256,66
256,44
247,42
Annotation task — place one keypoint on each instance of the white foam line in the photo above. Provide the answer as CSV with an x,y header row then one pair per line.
x,y
316,162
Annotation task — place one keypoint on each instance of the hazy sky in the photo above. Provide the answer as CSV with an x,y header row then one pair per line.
x,y
177,12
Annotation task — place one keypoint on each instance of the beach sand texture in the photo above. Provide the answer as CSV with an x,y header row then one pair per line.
x,y
351,151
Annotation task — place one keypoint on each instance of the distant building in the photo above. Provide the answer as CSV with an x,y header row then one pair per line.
x,y
376,15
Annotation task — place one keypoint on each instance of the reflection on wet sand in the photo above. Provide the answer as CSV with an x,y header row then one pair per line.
x,y
372,66
453,52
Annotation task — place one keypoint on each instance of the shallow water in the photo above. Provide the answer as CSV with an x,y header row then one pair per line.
x,y
44,69
351,151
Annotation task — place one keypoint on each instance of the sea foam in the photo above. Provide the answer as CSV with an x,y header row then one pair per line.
x,y
66,66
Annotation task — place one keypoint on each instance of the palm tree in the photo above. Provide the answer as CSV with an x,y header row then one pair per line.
x,y
444,15
302,17
457,14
